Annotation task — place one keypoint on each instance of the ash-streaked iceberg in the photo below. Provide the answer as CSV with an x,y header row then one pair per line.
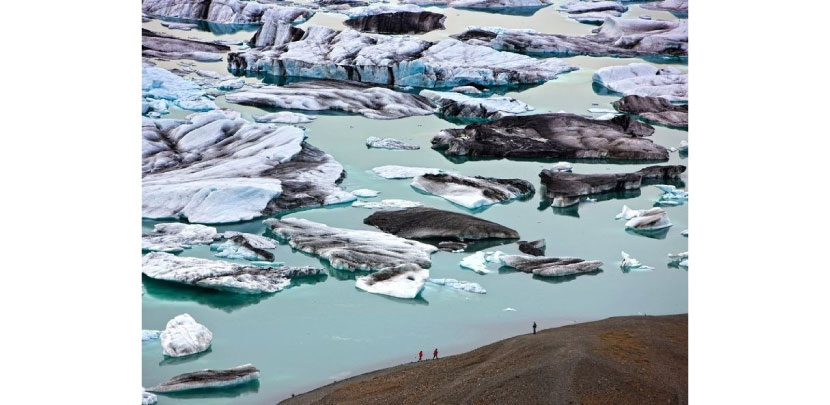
x,y
238,245
225,11
209,379
453,104
592,12
551,266
566,189
431,223
393,19
473,192
402,281
348,249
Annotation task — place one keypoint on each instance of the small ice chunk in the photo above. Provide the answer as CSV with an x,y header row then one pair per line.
x,y
685,233
387,204
629,263
680,259
147,334
477,262
184,336
403,172
508,309
671,195
602,111
467,286
389,143
284,117
561,167
233,84
148,398
365,193
403,281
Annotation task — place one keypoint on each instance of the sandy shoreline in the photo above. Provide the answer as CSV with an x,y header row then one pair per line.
x,y
621,360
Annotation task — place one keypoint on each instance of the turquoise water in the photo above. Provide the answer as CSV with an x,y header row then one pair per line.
x,y
325,329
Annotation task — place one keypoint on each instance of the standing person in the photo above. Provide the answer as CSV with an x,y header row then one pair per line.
x,y
534,327
435,354
420,355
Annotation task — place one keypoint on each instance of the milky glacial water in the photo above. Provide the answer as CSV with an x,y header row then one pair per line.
x,y
325,329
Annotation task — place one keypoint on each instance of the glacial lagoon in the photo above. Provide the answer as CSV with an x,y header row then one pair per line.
x,y
324,329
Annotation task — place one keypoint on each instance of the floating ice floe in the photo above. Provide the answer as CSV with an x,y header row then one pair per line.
x,y
552,136
284,117
674,6
680,259
644,220
467,286
323,53
671,195
233,84
184,336
158,45
393,19
209,379
403,172
246,246
592,12
225,11
478,261
331,95
147,334
154,107
159,83
179,26
365,193
534,248
566,189
629,263
658,110
389,143
215,167
550,266
431,223
148,398
473,192
643,79
452,104
561,167
617,37
392,203
174,237
348,249
509,309
684,146
221,275
402,281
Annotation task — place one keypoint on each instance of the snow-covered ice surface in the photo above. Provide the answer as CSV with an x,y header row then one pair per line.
x,y
213,379
225,11
403,172
478,261
643,79
175,236
215,167
392,203
473,192
402,281
221,275
348,249
184,336
467,286
284,117
324,53
161,84
453,104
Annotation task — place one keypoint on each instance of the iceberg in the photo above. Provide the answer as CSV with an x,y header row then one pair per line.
x,y
221,275
284,117
224,11
402,281
566,189
552,136
148,398
330,95
389,143
393,19
431,223
467,286
348,249
365,193
477,262
390,204
403,172
160,83
592,12
561,167
657,110
535,248
212,379
184,336
473,192
175,237
679,259
452,104
238,245
671,195
147,334
550,266
158,45
653,219
629,263
643,79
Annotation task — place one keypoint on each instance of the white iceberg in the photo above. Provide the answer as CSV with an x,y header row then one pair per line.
x,y
629,263
387,204
645,220
147,334
159,83
453,104
478,261
467,286
365,193
148,398
184,336
643,79
389,143
561,167
403,281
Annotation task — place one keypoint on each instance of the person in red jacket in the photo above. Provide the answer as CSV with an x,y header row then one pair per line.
x,y
420,355
435,354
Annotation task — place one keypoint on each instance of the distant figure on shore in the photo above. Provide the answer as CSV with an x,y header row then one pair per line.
x,y
420,355
534,327
435,354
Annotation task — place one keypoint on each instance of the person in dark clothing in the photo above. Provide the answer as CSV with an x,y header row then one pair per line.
x,y
420,355
534,327
435,354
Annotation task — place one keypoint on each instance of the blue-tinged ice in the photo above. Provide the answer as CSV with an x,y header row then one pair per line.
x,y
159,83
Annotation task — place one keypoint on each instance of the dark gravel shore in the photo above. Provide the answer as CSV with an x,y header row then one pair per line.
x,y
623,360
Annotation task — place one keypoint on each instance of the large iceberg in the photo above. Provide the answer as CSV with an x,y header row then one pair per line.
x,y
393,19
617,37
453,104
643,79
216,167
161,84
431,223
224,11
184,336
213,379
174,237
324,53
331,95
556,136
551,266
473,192
402,281
348,249
221,275
566,189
